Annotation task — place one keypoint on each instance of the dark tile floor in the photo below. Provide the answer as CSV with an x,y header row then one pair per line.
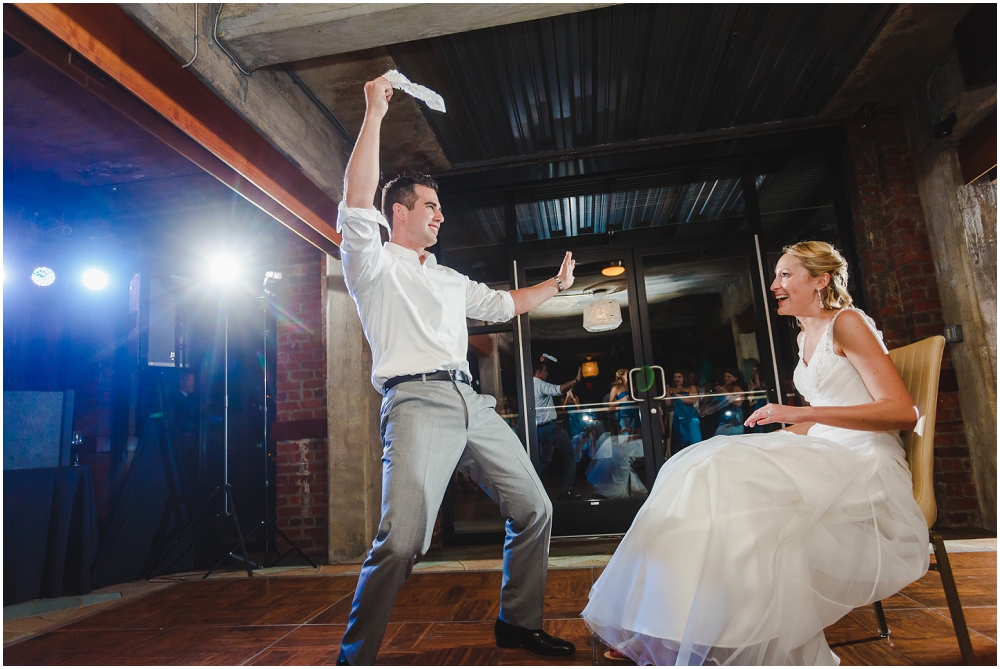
x,y
447,618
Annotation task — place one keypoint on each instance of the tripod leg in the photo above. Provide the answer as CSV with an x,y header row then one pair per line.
x,y
187,530
246,539
239,532
292,544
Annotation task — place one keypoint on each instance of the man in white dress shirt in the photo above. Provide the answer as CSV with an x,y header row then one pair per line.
x,y
413,312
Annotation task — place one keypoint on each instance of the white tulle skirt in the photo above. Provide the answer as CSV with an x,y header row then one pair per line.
x,y
748,546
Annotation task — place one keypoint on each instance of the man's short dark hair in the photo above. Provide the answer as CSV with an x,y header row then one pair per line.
x,y
539,366
401,190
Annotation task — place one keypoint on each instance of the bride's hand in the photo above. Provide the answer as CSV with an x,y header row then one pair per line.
x,y
777,413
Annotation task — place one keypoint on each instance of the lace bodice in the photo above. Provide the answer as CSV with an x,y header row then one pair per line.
x,y
830,379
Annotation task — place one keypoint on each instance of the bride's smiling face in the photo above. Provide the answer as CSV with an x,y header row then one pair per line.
x,y
795,289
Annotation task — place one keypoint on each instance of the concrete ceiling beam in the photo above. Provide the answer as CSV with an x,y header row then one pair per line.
x,y
915,39
268,100
267,33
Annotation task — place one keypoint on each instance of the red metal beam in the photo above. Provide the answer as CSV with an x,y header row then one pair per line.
x,y
201,126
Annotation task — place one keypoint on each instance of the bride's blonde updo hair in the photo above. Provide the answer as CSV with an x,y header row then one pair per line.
x,y
821,258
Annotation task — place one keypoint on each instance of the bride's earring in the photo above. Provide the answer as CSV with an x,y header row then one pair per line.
x,y
819,296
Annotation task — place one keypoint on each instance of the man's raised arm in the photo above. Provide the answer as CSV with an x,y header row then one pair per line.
x,y
361,177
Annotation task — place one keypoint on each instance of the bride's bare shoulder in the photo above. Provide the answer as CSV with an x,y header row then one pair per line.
x,y
852,331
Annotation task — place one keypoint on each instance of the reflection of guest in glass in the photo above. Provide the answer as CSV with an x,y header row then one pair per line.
x,y
577,419
628,416
551,436
756,386
731,421
584,443
694,381
687,426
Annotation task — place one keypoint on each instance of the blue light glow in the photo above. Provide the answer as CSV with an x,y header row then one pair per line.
x,y
43,276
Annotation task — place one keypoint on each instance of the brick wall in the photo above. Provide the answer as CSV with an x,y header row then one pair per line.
x,y
300,430
901,285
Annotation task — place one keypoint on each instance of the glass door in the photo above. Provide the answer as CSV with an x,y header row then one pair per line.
x,y
706,337
586,389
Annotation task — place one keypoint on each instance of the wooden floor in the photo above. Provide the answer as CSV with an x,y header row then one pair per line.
x,y
447,618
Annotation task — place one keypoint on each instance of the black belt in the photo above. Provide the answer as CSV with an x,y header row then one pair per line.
x,y
455,375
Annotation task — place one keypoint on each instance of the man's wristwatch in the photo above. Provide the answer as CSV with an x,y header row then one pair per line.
x,y
560,284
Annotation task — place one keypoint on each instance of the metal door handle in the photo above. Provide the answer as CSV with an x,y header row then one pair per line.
x,y
631,384
663,375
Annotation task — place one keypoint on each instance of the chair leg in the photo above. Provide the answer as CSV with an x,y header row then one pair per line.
x,y
951,593
883,626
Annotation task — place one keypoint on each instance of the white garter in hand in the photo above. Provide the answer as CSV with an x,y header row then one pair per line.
x,y
399,82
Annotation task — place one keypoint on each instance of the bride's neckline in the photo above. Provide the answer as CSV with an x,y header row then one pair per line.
x,y
826,331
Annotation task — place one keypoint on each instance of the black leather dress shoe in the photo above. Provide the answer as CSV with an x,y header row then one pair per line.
x,y
342,660
537,641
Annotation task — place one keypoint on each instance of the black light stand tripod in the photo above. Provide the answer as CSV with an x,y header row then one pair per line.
x,y
269,527
226,490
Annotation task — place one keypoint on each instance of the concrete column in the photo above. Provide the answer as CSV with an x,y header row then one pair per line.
x,y
352,409
962,226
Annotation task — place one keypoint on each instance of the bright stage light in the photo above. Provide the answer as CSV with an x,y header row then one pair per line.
x,y
224,269
95,279
43,276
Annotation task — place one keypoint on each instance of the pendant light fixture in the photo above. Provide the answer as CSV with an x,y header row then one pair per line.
x,y
614,268
602,315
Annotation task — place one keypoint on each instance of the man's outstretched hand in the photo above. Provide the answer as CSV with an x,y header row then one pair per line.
x,y
377,95
566,270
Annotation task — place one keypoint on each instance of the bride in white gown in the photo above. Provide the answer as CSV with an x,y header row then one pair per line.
x,y
748,546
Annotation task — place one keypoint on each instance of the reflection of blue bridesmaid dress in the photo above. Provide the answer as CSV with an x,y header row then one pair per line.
x,y
628,417
687,426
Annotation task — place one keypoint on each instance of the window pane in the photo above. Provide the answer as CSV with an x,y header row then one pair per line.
x,y
702,203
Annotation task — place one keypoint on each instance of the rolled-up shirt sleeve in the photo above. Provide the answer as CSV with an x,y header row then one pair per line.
x,y
546,388
362,243
485,304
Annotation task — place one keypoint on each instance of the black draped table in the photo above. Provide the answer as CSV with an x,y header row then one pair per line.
x,y
50,534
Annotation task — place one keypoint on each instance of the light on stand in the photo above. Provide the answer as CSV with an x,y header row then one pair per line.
x,y
95,279
224,269
271,280
269,526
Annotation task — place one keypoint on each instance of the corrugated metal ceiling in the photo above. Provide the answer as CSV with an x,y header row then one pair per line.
x,y
634,72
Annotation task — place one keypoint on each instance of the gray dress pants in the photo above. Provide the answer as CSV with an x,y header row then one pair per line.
x,y
430,429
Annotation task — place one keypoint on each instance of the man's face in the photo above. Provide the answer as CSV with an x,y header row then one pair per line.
x,y
542,373
420,225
